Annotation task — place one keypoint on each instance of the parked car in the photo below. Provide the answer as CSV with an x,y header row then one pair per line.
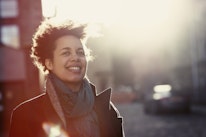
x,y
165,98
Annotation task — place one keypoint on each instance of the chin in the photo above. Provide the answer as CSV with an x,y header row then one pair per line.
x,y
79,80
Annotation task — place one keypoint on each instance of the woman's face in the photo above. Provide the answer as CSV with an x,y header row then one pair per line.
x,y
69,61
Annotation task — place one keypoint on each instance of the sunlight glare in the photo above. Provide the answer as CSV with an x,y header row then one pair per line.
x,y
157,22
153,24
90,10
49,8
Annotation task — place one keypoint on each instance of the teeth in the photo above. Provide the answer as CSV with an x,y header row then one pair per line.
x,y
74,68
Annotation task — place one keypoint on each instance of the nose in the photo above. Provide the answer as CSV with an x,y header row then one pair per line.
x,y
75,57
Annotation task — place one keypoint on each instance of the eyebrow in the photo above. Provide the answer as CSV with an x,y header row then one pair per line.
x,y
68,48
65,48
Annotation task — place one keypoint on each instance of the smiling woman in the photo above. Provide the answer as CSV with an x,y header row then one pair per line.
x,y
70,103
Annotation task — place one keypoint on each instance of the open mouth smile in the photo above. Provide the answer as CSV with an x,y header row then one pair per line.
x,y
74,69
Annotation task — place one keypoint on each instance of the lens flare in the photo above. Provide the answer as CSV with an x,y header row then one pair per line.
x,y
53,130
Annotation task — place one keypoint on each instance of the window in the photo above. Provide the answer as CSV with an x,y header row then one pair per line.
x,y
8,8
10,35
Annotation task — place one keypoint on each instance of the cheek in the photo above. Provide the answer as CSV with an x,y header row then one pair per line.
x,y
58,65
61,61
85,63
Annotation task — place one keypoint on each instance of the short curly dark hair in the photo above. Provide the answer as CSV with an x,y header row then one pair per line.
x,y
46,35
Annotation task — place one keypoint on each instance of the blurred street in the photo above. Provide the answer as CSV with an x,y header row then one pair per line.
x,y
137,124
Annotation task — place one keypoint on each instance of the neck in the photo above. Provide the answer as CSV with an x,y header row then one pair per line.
x,y
73,86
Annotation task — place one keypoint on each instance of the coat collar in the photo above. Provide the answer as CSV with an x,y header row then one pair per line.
x,y
103,98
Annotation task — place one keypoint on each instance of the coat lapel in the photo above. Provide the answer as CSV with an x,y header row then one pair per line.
x,y
102,108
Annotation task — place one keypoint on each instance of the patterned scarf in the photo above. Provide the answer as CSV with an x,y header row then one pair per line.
x,y
81,119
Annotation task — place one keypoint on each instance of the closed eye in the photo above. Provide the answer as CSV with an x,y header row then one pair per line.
x,y
66,53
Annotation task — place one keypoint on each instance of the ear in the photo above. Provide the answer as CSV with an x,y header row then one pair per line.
x,y
48,64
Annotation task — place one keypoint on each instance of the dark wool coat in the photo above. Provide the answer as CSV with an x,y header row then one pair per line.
x,y
28,118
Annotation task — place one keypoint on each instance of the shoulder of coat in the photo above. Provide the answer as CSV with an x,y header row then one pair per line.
x,y
30,101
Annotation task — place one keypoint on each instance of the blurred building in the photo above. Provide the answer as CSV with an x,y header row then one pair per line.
x,y
19,79
198,55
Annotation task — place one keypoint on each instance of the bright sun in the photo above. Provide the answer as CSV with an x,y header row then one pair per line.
x,y
85,10
142,11
138,18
